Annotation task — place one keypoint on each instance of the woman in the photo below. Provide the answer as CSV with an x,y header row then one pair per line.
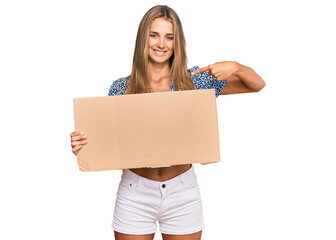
x,y
169,195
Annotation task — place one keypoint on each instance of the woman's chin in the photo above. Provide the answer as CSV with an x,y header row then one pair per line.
x,y
158,60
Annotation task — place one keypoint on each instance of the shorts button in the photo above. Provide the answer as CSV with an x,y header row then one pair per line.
x,y
163,185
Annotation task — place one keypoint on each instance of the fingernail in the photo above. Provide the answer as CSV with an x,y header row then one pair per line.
x,y
81,133
192,73
84,141
84,136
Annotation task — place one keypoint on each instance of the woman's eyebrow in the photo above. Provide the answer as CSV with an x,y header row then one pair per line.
x,y
159,34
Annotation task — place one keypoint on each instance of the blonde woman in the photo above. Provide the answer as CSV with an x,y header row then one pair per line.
x,y
169,195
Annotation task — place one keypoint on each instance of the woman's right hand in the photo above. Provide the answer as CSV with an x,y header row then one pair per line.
x,y
78,139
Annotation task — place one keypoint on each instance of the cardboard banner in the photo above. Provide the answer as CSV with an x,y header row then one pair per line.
x,y
147,130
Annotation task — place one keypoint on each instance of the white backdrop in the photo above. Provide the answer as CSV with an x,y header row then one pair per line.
x,y
276,178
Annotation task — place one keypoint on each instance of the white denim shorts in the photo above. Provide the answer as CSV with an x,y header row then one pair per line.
x,y
175,204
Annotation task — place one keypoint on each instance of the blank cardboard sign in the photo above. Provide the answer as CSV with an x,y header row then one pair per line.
x,y
147,130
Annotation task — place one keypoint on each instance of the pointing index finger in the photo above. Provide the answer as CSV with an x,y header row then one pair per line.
x,y
204,69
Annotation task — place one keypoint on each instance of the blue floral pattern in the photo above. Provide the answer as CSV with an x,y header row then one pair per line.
x,y
201,81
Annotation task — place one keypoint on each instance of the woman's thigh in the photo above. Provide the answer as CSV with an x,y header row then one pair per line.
x,y
193,236
181,210
121,236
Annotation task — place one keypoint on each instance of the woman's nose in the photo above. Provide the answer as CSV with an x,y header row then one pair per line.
x,y
161,43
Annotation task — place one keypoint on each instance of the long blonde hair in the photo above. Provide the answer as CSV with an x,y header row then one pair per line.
x,y
178,61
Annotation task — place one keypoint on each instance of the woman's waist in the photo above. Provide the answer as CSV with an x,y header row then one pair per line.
x,y
163,173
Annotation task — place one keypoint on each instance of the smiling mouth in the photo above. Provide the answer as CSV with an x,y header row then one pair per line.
x,y
159,53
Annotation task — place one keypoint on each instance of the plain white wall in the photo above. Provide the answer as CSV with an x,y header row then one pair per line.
x,y
276,178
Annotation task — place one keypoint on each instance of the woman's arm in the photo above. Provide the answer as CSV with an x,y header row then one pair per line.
x,y
240,78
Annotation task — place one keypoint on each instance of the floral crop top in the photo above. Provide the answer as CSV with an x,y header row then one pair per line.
x,y
201,81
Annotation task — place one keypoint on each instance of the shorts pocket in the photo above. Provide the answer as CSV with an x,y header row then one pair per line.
x,y
192,186
128,183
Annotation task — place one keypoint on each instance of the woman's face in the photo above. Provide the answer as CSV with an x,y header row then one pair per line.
x,y
160,40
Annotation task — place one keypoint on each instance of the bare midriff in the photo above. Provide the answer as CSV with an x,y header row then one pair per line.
x,y
162,174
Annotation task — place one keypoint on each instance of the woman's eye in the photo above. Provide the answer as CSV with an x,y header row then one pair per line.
x,y
152,35
170,38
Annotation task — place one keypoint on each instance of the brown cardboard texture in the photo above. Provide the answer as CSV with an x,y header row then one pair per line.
x,y
147,130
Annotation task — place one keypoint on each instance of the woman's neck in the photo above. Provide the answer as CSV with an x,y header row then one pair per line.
x,y
158,71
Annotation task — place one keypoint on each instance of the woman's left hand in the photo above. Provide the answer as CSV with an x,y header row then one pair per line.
x,y
220,70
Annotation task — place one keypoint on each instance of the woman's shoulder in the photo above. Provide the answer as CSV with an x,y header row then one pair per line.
x,y
203,81
192,69
118,86
198,78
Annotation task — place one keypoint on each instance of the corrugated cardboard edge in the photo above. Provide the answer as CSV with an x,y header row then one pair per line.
x,y
81,163
214,105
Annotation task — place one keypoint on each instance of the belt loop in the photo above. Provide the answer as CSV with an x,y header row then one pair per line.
x,y
181,179
122,173
186,175
138,180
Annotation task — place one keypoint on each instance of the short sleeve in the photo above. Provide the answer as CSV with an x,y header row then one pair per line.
x,y
118,87
203,81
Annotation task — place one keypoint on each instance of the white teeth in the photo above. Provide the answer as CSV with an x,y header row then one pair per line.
x,y
158,52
